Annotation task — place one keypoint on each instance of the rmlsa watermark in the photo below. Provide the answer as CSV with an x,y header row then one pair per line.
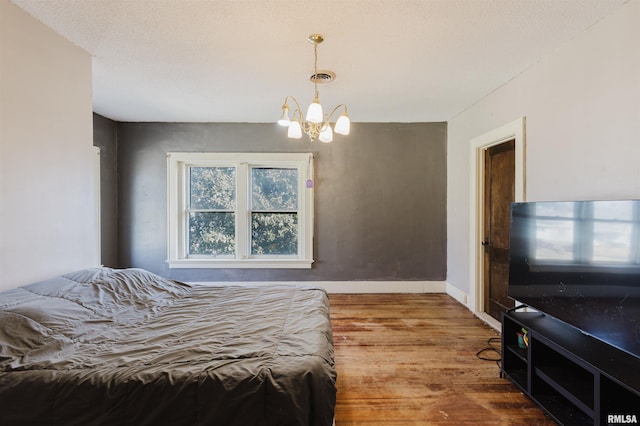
x,y
622,419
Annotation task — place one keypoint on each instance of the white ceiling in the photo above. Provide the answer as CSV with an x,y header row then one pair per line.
x,y
234,61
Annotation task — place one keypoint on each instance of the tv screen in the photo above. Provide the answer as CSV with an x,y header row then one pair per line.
x,y
579,261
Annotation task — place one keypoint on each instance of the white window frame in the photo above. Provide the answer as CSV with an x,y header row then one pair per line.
x,y
178,164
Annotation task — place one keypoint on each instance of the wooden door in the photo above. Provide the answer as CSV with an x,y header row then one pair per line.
x,y
499,193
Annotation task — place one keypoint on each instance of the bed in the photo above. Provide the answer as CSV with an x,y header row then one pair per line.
x,y
126,347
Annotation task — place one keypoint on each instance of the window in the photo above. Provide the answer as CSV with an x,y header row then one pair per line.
x,y
582,234
240,210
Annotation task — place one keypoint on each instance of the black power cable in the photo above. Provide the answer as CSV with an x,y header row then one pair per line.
x,y
491,349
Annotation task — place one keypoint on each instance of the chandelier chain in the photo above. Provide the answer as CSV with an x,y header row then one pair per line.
x,y
315,68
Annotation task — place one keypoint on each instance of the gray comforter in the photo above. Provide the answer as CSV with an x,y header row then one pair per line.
x,y
127,347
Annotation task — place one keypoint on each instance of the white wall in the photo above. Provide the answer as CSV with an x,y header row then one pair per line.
x,y
582,109
47,192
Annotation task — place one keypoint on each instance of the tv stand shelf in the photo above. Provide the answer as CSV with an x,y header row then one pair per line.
x,y
576,378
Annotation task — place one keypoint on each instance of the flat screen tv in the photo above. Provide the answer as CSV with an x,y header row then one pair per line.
x,y
579,262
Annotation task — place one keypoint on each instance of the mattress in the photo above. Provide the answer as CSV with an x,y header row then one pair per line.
x,y
127,347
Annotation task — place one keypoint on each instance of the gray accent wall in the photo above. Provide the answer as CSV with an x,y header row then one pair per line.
x,y
380,198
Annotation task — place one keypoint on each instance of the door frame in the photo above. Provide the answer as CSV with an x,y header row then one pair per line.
x,y
514,130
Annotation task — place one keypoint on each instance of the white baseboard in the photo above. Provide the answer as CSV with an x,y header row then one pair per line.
x,y
458,294
355,286
489,320
463,298
383,286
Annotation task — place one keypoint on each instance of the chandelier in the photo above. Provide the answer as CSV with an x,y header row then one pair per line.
x,y
315,124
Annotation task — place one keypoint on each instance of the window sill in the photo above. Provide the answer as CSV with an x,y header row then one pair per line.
x,y
245,263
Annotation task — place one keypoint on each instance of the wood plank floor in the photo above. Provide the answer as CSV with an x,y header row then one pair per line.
x,y
410,359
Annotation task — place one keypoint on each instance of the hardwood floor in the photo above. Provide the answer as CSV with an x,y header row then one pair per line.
x,y
407,359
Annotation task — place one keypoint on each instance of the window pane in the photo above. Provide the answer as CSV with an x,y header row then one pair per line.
x,y
274,233
555,209
212,234
612,241
554,239
212,188
274,189
614,210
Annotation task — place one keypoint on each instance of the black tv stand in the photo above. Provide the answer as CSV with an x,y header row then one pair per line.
x,y
575,378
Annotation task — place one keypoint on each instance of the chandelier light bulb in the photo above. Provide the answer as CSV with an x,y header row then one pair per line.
x,y
295,131
343,125
326,134
284,120
314,113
